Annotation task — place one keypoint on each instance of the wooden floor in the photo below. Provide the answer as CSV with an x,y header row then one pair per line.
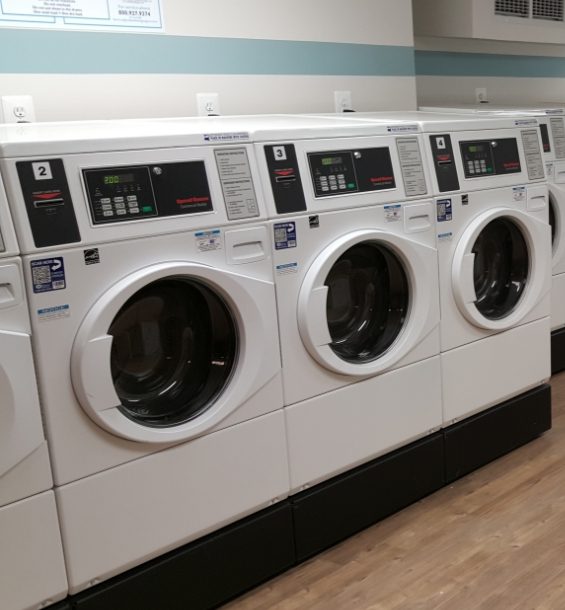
x,y
494,540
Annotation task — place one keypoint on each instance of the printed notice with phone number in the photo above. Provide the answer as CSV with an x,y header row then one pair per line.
x,y
116,15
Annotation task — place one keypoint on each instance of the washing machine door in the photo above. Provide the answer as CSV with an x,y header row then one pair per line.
x,y
366,301
556,204
21,431
173,349
500,268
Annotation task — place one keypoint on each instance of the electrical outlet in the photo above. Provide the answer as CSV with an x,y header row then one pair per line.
x,y
342,101
208,104
481,95
17,109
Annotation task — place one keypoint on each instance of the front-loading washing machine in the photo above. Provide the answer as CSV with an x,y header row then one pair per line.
x,y
552,130
494,253
31,555
356,279
149,275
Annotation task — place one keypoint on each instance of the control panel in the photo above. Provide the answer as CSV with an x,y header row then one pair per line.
x,y
351,171
444,163
490,157
129,193
48,202
545,138
285,178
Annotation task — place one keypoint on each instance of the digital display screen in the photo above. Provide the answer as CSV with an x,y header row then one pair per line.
x,y
474,148
332,160
118,179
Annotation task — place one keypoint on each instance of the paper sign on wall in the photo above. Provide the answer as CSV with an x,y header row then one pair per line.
x,y
121,15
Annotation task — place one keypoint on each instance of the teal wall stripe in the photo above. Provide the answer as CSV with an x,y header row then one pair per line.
x,y
52,51
437,63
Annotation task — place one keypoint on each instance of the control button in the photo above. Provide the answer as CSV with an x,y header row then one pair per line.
x,y
134,210
107,206
118,199
132,197
341,176
120,206
105,200
147,208
333,188
121,212
108,213
325,189
333,178
342,187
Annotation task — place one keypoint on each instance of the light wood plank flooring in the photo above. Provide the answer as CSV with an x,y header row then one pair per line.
x,y
494,540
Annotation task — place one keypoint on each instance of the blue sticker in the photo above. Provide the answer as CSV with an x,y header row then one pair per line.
x,y
444,210
285,235
48,274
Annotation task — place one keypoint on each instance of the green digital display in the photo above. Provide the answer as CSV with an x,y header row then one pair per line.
x,y
118,179
332,160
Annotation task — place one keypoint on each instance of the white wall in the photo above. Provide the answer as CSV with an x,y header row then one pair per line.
x,y
69,96
500,89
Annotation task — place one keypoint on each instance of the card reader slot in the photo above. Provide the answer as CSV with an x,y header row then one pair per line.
x,y
47,203
285,179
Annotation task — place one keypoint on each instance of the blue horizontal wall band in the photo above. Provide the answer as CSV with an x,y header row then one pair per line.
x,y
50,51
437,63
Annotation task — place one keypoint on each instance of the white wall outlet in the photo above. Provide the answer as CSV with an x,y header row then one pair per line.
x,y
17,109
208,104
481,95
342,101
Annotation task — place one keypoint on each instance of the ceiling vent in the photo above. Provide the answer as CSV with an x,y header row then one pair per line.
x,y
513,8
551,10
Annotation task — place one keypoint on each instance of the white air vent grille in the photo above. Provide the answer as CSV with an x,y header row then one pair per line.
x,y
512,8
548,9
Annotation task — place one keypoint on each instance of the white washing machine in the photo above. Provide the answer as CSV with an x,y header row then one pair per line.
x,y
494,252
357,292
149,275
552,129
31,555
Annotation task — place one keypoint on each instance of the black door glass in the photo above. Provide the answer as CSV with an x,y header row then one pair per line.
x,y
367,303
501,268
552,219
174,349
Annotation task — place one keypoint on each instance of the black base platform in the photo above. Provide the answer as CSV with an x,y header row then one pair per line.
x,y
206,573
477,440
338,508
214,569
558,351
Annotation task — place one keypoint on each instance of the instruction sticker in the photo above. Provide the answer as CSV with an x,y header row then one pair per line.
x,y
411,166
241,136
208,240
445,236
237,184
48,274
54,313
285,235
286,269
393,212
444,210
519,193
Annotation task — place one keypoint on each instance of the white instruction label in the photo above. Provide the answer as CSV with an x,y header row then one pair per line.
x,y
558,132
519,193
208,240
393,212
532,150
53,313
411,166
237,184
286,268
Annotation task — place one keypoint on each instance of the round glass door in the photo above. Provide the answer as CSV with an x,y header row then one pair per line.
x,y
173,351
501,268
367,302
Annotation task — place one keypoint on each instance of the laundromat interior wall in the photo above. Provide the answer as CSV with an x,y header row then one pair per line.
x,y
258,56
449,70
